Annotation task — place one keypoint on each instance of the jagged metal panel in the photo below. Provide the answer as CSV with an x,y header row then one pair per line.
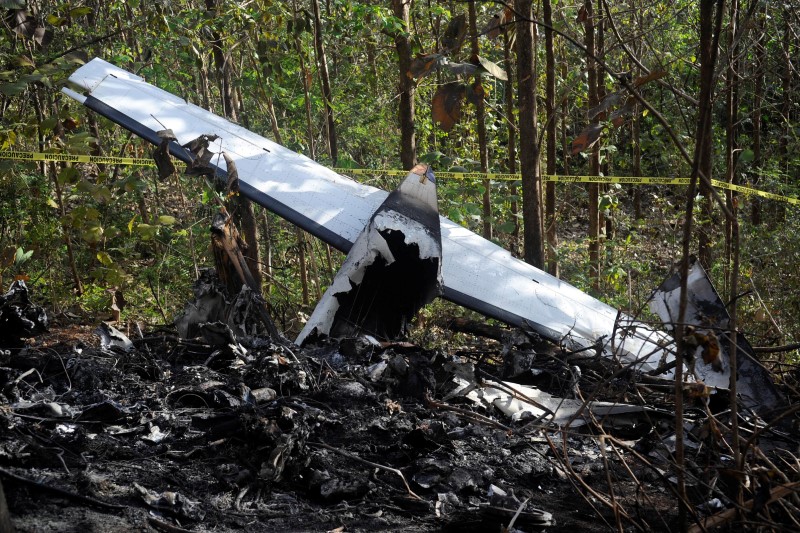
x,y
392,270
476,273
707,313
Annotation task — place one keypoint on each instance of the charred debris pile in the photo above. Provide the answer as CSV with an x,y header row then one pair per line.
x,y
218,425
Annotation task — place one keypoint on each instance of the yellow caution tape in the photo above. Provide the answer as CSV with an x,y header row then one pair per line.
x,y
76,158
625,180
496,176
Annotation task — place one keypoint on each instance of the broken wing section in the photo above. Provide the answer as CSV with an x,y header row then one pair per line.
x,y
392,270
476,273
710,343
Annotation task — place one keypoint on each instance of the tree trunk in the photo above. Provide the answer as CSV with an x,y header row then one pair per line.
x,y
594,158
480,119
708,57
533,238
758,102
552,123
707,60
327,95
508,94
731,132
243,214
787,131
408,146
636,134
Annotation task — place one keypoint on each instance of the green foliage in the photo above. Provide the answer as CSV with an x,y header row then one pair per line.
x,y
127,230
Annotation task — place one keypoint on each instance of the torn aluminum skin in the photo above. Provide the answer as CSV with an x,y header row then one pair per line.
x,y
706,312
511,400
392,270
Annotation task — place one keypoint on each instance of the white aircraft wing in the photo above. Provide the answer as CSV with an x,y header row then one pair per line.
x,y
476,273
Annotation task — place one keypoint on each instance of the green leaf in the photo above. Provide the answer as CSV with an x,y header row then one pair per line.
x,y
93,234
55,20
455,215
747,156
507,227
80,11
24,61
105,259
430,157
166,220
13,89
12,4
146,231
68,175
101,193
21,256
130,224
49,123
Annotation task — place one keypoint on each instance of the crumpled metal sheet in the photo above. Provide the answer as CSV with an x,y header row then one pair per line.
x,y
392,270
707,313
564,412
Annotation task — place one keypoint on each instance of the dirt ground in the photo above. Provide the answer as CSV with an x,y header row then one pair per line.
x,y
176,435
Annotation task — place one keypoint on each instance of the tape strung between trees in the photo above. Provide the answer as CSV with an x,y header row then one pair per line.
x,y
496,176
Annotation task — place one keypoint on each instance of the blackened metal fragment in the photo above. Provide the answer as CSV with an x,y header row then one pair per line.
x,y
710,321
392,270
19,317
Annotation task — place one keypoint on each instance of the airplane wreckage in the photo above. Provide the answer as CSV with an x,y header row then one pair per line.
x,y
402,254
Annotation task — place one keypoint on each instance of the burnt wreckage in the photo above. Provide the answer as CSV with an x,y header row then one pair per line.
x,y
399,248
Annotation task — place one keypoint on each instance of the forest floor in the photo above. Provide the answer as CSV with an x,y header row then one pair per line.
x,y
175,435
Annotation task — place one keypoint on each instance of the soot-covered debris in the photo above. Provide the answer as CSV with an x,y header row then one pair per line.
x,y
19,317
199,433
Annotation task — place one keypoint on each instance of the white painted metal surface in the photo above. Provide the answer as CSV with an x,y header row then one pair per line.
x,y
476,273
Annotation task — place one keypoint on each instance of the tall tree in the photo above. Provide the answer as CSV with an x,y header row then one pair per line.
x,y
533,237
731,131
480,119
758,103
709,40
508,95
327,94
552,124
408,146
594,158
243,214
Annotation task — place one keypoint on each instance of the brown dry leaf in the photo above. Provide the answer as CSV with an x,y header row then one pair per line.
x,y
582,15
610,100
25,25
493,69
711,351
697,390
619,116
497,23
454,35
232,187
654,75
421,66
446,106
586,138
